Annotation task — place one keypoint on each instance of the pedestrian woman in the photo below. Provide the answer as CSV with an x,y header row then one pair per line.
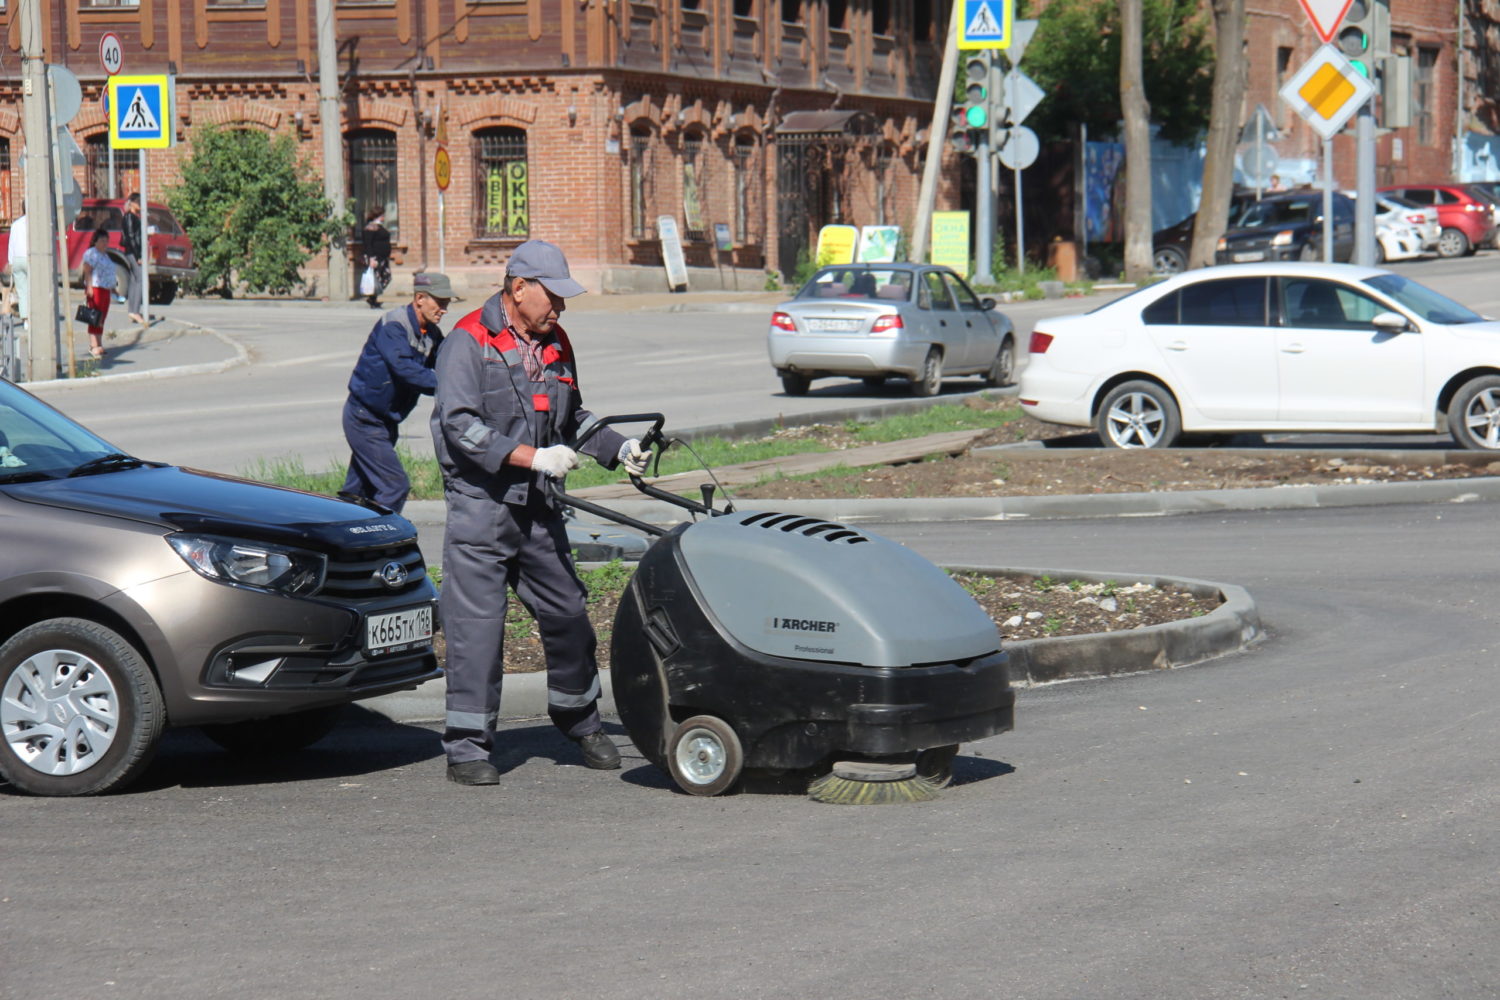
x,y
376,243
99,280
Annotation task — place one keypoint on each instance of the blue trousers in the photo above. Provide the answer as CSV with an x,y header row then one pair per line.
x,y
374,470
492,546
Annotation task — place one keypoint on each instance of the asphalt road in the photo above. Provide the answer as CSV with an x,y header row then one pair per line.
x,y
1313,818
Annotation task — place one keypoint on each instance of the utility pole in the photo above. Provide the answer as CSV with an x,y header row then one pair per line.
x,y
41,336
330,120
937,138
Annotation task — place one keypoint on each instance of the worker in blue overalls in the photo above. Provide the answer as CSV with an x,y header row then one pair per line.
x,y
393,371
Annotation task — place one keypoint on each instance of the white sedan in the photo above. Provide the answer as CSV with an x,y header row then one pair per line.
x,y
1270,347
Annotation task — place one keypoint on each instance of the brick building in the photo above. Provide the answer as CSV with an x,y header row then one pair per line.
x,y
772,117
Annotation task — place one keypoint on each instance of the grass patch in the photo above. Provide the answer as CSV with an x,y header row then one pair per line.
x,y
427,483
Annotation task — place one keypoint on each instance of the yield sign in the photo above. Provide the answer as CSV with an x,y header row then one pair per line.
x,y
1327,90
1326,15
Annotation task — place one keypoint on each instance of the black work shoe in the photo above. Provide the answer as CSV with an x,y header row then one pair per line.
x,y
599,751
474,772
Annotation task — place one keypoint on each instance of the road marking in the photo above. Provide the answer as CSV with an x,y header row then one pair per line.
x,y
308,359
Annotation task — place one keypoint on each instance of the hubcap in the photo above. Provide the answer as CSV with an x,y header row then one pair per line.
x,y
59,712
1135,421
1483,418
700,756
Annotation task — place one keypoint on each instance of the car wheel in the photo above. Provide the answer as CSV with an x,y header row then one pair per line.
x,y
931,381
1474,414
873,381
80,712
795,383
163,292
704,756
1139,414
1003,368
1168,261
1453,243
278,734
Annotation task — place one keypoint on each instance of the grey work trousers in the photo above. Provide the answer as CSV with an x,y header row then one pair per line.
x,y
489,547
135,292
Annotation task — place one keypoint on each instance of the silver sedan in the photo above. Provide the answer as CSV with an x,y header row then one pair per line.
x,y
872,321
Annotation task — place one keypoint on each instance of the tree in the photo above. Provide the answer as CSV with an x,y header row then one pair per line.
x,y
1075,58
255,213
1223,131
1136,110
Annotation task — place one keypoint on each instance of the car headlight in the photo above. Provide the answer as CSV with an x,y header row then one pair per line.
x,y
1283,238
252,564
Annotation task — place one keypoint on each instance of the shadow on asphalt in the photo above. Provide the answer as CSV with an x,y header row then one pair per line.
x,y
966,771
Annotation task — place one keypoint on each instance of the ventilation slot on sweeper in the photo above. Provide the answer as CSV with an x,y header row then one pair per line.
x,y
813,527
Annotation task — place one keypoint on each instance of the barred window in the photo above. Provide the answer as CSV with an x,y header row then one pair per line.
x,y
744,153
96,169
1423,90
6,180
642,227
372,176
501,183
693,188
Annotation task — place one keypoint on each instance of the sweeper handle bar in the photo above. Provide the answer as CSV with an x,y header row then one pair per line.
x,y
652,437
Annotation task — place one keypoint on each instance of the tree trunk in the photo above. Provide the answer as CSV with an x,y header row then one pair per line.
x,y
1137,113
1223,131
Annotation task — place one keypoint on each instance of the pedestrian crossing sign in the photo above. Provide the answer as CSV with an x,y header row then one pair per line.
x,y
986,24
140,112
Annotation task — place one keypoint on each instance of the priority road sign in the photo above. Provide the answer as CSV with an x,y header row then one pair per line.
x,y
1327,91
140,112
986,24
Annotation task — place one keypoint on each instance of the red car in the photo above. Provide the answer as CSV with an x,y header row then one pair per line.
x,y
171,249
1468,217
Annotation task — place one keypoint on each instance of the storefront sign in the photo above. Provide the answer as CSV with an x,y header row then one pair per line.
x,y
836,245
950,240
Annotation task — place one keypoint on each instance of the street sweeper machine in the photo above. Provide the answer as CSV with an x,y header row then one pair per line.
x,y
762,641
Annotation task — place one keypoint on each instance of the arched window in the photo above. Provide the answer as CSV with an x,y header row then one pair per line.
x,y
7,182
694,187
743,153
501,184
372,176
642,225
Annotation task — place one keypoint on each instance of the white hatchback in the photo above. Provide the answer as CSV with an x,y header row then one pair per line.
x,y
1270,347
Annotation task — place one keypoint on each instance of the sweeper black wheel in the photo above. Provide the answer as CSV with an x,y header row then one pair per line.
x,y
704,756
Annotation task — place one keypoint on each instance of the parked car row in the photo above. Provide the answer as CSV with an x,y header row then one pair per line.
x,y
1412,220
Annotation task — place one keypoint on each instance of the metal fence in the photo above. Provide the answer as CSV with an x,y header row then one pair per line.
x,y
10,347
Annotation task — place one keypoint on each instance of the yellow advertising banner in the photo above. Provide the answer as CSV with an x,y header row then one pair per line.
x,y
836,245
950,241
506,199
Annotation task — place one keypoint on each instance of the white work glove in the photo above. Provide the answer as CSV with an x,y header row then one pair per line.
x,y
555,460
633,458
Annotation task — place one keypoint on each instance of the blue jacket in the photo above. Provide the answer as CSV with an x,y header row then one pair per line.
x,y
395,367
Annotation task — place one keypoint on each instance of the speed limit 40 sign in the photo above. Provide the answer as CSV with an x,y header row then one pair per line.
x,y
111,54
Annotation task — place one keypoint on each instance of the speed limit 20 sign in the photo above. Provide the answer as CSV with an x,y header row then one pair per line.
x,y
111,54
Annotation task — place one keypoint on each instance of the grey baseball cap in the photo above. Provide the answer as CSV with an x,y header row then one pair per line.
x,y
544,262
434,284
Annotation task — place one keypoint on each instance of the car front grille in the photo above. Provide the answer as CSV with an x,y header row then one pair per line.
x,y
371,572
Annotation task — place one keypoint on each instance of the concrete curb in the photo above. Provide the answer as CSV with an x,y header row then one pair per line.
x,y
241,357
1231,627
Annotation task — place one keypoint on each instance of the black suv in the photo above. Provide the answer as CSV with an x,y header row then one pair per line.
x,y
1288,226
136,595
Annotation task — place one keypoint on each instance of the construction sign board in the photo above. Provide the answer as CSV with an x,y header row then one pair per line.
x,y
986,24
140,112
1327,91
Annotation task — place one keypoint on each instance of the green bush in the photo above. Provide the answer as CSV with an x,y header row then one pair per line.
x,y
256,214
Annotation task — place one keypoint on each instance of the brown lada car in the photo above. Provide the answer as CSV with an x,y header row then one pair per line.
x,y
136,595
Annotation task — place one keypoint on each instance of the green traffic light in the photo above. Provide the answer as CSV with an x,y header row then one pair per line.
x,y
977,117
1360,67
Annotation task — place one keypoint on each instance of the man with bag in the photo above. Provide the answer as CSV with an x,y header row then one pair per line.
x,y
393,371
506,408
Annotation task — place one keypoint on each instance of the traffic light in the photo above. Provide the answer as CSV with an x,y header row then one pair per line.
x,y
1366,34
977,90
1395,92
